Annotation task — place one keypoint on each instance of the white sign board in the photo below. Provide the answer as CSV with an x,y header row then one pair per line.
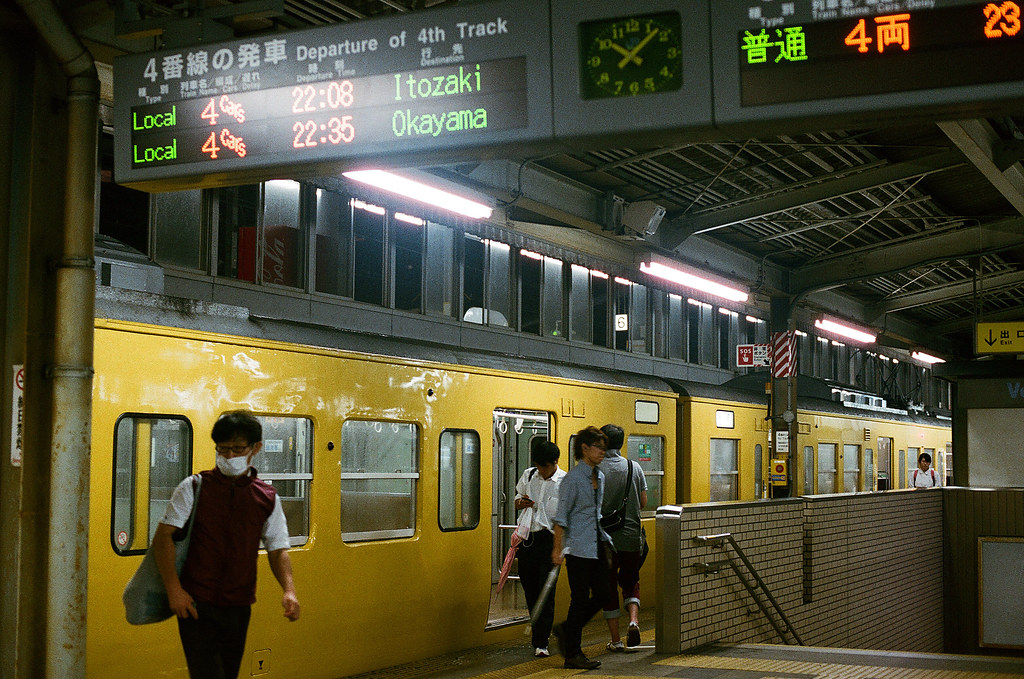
x,y
17,414
781,441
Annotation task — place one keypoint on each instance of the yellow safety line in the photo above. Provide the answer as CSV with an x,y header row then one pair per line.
x,y
771,667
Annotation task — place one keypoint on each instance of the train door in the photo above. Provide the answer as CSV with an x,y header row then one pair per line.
x,y
513,433
884,463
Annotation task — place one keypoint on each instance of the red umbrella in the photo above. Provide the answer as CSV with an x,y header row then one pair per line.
x,y
522,530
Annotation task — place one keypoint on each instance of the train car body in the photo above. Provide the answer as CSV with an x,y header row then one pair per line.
x,y
395,475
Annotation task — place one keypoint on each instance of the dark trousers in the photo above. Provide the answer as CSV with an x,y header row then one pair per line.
x,y
214,643
624,573
534,565
588,586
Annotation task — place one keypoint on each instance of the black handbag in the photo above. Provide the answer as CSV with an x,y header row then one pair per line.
x,y
617,519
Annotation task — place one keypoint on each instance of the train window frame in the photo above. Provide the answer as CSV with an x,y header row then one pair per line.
x,y
833,470
653,466
455,482
185,463
854,451
732,471
302,479
725,419
412,476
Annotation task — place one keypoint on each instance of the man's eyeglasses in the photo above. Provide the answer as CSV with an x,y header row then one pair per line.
x,y
234,450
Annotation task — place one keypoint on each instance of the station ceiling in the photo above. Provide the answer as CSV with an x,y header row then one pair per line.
x,y
916,230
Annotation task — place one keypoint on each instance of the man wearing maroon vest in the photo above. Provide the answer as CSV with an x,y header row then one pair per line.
x,y
217,586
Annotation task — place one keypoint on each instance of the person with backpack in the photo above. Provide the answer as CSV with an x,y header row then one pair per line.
x,y
537,492
624,498
923,477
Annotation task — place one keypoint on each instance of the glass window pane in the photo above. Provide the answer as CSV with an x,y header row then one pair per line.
x,y
333,237
473,279
579,304
551,316
638,320
649,453
282,242
902,458
675,327
459,506
808,470
599,317
177,228
912,454
408,240
151,457
499,290
379,469
530,270
440,283
286,462
758,467
851,470
827,467
724,469
237,211
868,465
368,238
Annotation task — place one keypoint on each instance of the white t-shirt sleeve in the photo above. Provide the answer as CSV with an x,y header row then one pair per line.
x,y
180,507
275,529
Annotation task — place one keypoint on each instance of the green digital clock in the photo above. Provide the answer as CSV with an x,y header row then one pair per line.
x,y
630,56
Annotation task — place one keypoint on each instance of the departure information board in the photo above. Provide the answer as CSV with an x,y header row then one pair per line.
x,y
823,58
299,102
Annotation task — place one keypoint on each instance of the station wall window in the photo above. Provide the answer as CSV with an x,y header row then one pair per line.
x,y
408,238
649,453
827,459
459,483
667,316
580,327
724,470
286,462
728,330
282,242
631,301
368,252
531,273
440,285
699,320
599,283
486,283
379,474
152,454
237,217
552,324
177,218
851,468
333,243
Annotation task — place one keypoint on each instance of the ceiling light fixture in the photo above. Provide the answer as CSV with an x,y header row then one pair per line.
x,y
414,190
856,334
927,358
690,280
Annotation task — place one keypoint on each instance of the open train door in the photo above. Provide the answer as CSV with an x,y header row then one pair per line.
x,y
513,433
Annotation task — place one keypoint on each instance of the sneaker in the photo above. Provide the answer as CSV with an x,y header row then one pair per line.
x,y
633,636
616,647
558,631
581,662
541,652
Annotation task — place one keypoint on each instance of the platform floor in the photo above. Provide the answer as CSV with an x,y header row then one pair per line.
x,y
726,661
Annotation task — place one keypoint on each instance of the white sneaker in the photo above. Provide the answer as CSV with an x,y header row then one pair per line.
x,y
541,652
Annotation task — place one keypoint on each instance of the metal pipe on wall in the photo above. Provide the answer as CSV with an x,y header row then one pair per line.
x,y
72,369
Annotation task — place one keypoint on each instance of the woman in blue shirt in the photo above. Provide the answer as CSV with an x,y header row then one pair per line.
x,y
582,544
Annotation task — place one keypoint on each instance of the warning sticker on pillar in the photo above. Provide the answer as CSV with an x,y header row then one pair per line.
x,y
783,354
17,414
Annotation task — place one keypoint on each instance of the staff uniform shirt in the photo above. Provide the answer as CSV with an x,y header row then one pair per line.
x,y
275,528
926,479
614,466
544,493
579,511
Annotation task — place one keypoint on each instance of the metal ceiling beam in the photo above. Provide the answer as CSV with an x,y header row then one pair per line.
x,y
949,291
976,138
894,257
679,229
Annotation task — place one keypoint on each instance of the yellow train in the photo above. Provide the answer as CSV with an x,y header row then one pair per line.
x,y
397,476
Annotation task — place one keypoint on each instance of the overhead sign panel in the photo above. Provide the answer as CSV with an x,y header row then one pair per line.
x,y
629,69
807,60
996,338
302,103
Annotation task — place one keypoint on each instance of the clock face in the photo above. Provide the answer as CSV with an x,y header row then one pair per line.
x,y
631,56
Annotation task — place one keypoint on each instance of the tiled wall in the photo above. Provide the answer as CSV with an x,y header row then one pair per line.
x,y
855,571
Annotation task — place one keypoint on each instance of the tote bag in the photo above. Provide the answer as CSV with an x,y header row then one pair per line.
x,y
144,597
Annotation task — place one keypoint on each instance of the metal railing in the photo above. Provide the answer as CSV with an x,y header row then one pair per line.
x,y
719,541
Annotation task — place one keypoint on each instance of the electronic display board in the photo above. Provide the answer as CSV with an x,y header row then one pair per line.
x,y
864,59
304,103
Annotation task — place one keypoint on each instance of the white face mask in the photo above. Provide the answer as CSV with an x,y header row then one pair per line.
x,y
233,466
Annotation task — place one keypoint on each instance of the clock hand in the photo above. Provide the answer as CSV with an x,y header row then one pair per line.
x,y
632,54
627,54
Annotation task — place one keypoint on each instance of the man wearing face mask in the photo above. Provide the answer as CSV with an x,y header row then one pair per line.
x,y
217,587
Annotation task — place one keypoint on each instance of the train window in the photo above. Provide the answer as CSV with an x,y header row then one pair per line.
x,y
285,461
724,470
649,453
333,236
282,239
827,467
902,457
912,453
808,470
379,471
236,220
758,471
647,412
459,502
936,463
152,454
440,284
851,467
725,419
177,223
868,465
